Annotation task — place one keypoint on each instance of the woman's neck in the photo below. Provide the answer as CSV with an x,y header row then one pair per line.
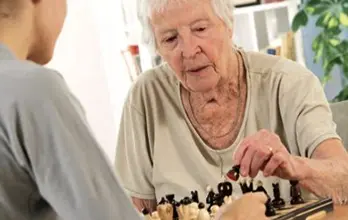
x,y
217,114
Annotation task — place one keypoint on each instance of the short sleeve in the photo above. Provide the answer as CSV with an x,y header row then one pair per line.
x,y
133,160
305,112
64,159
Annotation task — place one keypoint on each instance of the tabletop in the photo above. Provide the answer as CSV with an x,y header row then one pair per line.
x,y
339,213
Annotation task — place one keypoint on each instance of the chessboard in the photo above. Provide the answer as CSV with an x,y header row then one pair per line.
x,y
309,210
190,208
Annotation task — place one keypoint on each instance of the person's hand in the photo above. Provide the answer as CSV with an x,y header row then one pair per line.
x,y
264,151
250,206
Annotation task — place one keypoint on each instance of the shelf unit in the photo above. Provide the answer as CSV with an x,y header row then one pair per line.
x,y
255,28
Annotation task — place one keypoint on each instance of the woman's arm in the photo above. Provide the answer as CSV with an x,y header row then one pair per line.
x,y
328,171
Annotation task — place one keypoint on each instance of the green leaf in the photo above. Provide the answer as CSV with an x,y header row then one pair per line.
x,y
300,19
334,42
324,19
316,42
313,2
333,23
319,53
319,9
344,19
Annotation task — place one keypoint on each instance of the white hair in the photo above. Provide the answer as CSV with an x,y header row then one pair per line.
x,y
222,8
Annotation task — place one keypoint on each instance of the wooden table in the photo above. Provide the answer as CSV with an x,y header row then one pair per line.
x,y
339,213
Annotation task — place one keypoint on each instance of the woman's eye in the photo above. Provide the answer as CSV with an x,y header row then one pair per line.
x,y
170,39
200,29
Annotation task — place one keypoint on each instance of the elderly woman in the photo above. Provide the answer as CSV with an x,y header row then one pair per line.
x,y
211,106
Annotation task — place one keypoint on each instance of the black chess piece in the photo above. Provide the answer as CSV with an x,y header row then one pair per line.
x,y
270,210
225,189
277,202
243,187
295,193
194,196
250,187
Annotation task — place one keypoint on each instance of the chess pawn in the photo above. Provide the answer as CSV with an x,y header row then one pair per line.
x,y
250,187
227,200
193,210
155,216
270,210
203,213
210,200
243,186
184,209
277,202
213,211
295,193
165,211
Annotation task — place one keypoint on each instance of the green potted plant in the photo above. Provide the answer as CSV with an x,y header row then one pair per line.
x,y
329,46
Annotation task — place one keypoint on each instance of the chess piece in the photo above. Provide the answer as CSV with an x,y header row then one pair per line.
x,y
270,210
295,193
243,186
203,213
211,197
146,214
250,187
214,210
155,216
277,202
193,211
165,210
233,174
225,189
228,199
184,209
171,200
194,196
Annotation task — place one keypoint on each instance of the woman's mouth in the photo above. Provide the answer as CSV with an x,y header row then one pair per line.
x,y
197,70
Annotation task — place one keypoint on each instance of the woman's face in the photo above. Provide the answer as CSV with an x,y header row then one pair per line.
x,y
195,43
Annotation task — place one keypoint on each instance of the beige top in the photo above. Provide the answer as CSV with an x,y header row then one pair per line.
x,y
159,152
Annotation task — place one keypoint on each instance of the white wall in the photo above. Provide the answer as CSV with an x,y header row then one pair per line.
x,y
88,56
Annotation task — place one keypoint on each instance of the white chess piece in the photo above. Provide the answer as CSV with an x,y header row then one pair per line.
x,y
155,216
203,213
193,211
213,211
165,211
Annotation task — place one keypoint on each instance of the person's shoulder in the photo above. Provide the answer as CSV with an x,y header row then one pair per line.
x,y
265,64
153,82
27,79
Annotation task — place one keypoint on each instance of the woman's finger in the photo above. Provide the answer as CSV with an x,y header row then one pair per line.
x,y
276,160
260,157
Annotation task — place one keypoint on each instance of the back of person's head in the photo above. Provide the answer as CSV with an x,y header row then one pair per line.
x,y
31,27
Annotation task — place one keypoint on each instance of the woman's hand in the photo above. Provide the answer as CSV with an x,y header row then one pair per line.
x,y
264,151
250,206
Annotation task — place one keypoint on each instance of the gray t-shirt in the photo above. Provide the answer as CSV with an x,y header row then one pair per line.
x,y
51,166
